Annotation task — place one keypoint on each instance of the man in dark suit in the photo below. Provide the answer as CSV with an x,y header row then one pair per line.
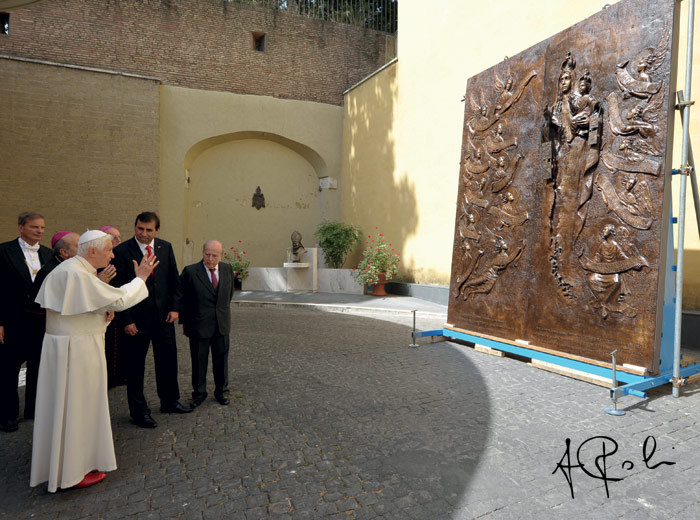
x,y
22,321
151,321
207,289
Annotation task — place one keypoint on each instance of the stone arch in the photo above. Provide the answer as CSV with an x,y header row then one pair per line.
x,y
306,152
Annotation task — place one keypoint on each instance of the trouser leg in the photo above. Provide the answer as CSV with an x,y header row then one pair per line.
x,y
165,358
137,348
10,363
219,361
199,351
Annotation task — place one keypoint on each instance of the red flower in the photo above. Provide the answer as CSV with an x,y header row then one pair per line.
x,y
240,241
381,234
370,281
370,261
372,240
243,252
353,269
365,270
233,247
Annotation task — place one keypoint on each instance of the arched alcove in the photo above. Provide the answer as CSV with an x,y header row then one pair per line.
x,y
222,174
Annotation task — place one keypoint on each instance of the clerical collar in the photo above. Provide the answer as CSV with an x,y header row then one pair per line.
x,y
26,247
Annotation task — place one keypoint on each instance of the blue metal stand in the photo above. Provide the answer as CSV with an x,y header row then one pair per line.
x,y
633,384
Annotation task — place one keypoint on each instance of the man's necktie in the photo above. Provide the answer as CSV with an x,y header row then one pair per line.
x,y
214,279
149,253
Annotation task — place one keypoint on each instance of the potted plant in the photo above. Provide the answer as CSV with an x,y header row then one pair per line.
x,y
336,239
379,263
236,257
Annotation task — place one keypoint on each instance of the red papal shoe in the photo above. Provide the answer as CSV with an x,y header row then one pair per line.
x,y
91,479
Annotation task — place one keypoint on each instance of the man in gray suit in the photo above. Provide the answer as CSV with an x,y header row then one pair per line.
x,y
207,289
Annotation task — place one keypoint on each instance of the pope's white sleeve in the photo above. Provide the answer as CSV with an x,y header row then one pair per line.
x,y
134,292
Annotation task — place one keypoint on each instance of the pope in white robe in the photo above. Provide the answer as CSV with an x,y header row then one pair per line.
x,y
72,429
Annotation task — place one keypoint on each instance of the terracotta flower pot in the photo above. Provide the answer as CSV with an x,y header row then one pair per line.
x,y
379,289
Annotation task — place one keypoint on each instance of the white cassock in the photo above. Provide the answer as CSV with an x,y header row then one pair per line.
x,y
72,429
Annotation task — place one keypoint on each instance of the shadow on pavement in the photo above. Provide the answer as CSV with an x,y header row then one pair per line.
x,y
330,413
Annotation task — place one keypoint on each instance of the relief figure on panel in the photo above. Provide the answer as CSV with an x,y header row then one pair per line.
x,y
467,227
481,120
497,142
611,262
503,174
470,254
508,93
631,200
475,162
641,119
508,213
474,193
639,83
572,130
483,280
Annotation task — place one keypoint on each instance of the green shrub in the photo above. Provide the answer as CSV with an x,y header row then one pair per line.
x,y
336,239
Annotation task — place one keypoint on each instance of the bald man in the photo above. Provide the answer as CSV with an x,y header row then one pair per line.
x,y
207,289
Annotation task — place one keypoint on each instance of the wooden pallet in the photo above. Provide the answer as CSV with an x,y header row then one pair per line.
x,y
488,350
573,373
578,374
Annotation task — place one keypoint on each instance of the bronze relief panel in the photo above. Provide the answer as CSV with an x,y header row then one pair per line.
x,y
558,233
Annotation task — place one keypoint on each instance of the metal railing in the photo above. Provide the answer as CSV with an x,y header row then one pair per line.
x,y
379,15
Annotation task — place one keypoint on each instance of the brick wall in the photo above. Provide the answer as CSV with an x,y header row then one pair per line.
x,y
79,147
202,44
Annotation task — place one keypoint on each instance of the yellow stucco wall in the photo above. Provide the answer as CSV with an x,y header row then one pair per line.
x,y
372,197
217,147
422,124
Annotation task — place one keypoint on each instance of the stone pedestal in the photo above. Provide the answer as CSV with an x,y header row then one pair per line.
x,y
303,276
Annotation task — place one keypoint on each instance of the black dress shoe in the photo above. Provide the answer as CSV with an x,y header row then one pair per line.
x,y
145,421
8,425
196,401
223,400
176,407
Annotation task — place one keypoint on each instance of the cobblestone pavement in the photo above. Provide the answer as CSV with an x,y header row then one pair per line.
x,y
334,416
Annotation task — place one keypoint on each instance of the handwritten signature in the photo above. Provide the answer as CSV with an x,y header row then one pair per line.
x,y
608,447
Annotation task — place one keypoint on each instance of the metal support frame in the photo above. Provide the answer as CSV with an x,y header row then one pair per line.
x,y
684,99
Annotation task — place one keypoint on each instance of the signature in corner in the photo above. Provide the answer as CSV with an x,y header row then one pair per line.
x,y
599,468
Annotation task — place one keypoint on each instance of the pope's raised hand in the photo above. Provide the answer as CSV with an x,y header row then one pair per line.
x,y
144,269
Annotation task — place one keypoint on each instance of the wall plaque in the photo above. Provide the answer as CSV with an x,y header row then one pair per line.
x,y
561,227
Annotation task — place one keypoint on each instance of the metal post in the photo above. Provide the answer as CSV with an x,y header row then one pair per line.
x,y
613,390
691,162
413,335
676,381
